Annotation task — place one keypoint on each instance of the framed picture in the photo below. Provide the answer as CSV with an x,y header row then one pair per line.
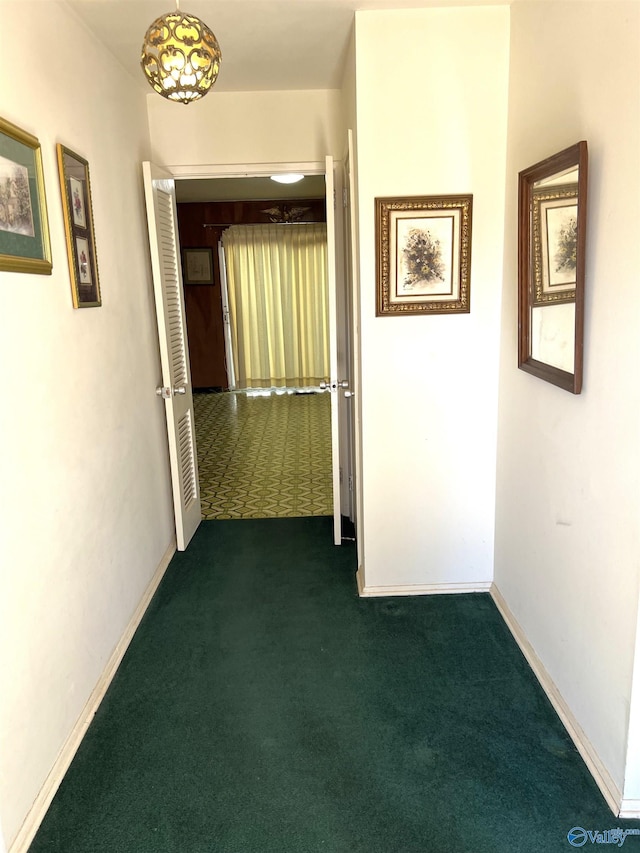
x,y
24,227
197,266
423,259
75,187
554,231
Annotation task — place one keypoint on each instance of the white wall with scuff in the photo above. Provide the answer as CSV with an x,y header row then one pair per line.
x,y
567,533
85,506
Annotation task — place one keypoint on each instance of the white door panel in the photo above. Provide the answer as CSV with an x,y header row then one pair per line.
x,y
352,291
172,336
340,350
348,440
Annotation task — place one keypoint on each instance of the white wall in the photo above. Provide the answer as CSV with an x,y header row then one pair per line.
x,y
348,95
246,128
567,534
85,509
431,119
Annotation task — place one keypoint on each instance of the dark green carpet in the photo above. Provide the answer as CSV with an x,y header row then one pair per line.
x,y
263,708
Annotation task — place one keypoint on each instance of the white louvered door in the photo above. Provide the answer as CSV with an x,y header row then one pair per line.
x,y
172,334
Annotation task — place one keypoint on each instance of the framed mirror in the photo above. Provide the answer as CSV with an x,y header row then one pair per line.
x,y
552,219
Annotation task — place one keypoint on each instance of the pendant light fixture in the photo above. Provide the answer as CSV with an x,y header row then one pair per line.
x,y
180,56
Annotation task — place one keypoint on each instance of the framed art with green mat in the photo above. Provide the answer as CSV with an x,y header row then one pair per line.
x,y
24,227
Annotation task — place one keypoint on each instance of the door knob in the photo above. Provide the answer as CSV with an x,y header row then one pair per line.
x,y
333,386
167,393
349,394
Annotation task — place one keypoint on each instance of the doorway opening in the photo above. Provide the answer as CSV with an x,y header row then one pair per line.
x,y
264,445
176,390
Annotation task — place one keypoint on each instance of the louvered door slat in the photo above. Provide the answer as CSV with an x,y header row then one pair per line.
x,y
172,288
185,441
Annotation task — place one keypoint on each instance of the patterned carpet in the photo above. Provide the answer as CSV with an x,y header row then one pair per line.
x,y
264,456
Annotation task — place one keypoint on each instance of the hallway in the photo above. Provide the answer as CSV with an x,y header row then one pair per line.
x,y
262,707
264,455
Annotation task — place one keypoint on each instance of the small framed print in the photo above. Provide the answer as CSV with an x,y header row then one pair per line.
x,y
197,266
423,259
83,253
554,232
77,202
24,227
75,187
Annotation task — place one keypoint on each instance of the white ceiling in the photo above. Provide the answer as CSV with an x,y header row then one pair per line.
x,y
266,44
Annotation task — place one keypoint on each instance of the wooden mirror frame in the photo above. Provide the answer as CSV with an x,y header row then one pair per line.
x,y
575,156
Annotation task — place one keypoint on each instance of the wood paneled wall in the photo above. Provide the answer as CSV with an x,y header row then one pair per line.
x,y
201,225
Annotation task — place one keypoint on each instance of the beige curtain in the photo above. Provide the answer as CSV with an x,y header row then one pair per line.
x,y
278,304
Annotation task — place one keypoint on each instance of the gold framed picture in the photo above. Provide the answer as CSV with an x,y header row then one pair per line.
x,y
24,227
423,262
75,187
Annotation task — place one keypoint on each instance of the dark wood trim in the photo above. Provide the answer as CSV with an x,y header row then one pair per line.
x,y
575,155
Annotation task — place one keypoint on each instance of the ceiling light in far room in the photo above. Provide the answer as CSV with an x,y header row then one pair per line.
x,y
288,178
180,56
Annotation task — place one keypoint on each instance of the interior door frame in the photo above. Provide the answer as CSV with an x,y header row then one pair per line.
x,y
260,170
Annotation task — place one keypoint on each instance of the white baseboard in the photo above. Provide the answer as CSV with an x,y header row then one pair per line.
x,y
608,788
36,814
630,809
419,588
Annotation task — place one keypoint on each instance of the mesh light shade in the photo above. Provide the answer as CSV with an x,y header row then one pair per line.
x,y
180,57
